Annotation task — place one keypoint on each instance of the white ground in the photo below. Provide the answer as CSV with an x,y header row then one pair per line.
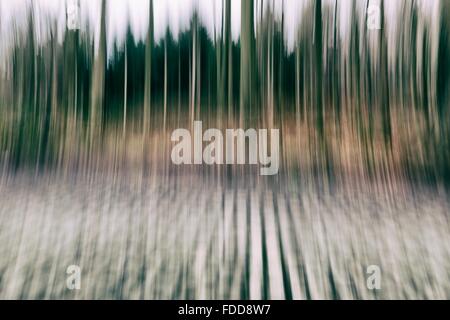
x,y
194,240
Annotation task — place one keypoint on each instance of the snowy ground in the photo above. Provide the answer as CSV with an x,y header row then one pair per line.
x,y
196,240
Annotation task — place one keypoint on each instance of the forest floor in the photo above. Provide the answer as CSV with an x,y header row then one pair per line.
x,y
194,239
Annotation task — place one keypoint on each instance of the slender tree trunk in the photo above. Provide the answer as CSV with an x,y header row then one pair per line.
x,y
319,69
229,56
193,71
125,91
247,75
148,70
165,86
98,85
384,80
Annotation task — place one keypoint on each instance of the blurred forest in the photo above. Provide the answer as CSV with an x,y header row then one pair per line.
x,y
373,104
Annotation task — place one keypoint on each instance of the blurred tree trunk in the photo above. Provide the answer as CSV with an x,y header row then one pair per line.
x,y
147,88
148,70
125,89
225,57
51,102
193,74
25,63
384,79
281,87
319,70
219,45
98,83
223,47
335,69
165,85
247,72
229,53
442,147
